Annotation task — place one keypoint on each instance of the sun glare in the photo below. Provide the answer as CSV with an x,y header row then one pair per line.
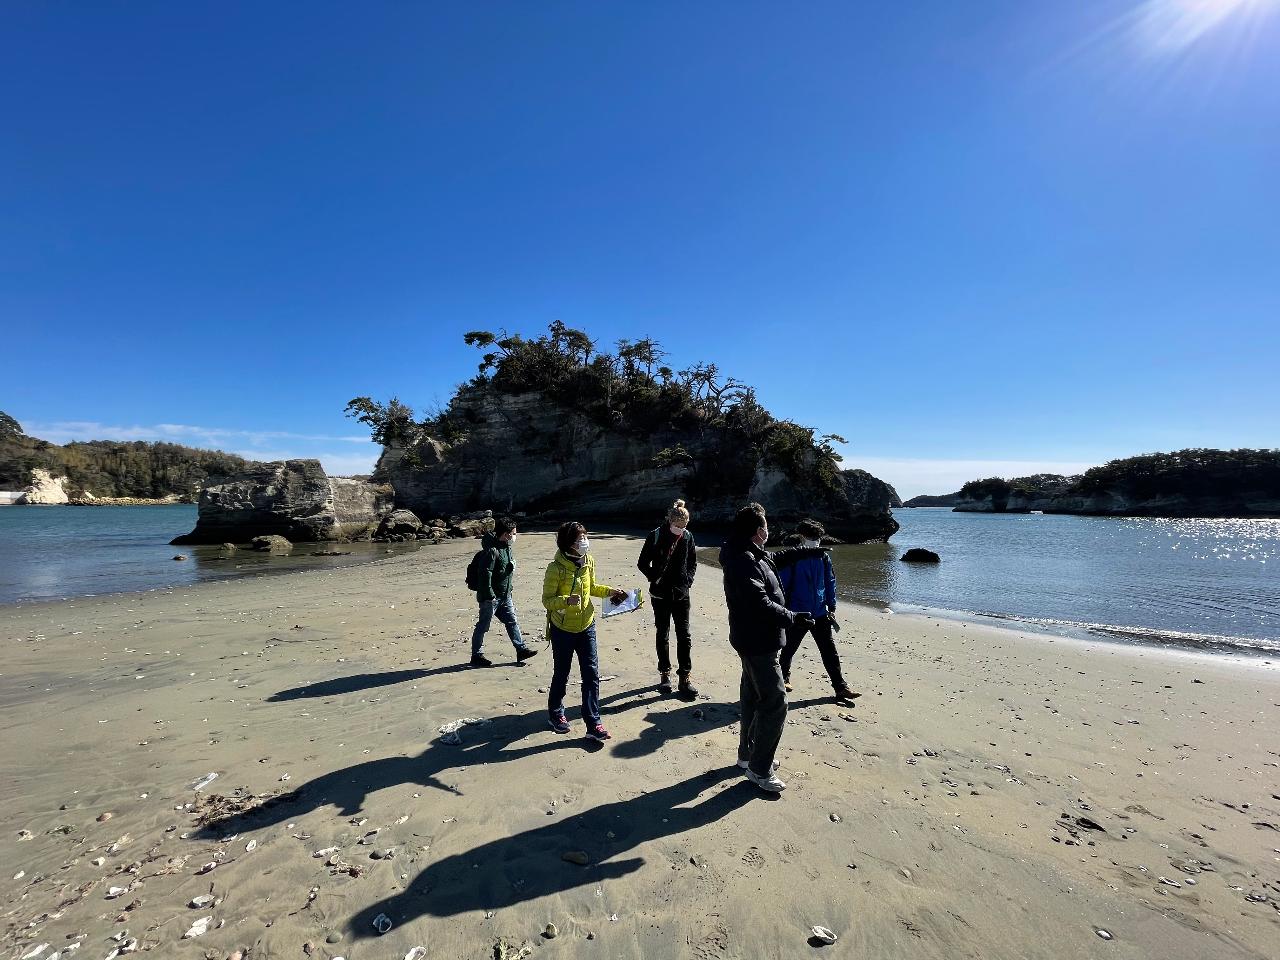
x,y
1171,26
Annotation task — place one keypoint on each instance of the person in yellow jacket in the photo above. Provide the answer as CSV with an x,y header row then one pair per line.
x,y
567,589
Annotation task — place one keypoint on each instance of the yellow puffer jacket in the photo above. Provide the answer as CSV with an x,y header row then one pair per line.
x,y
565,578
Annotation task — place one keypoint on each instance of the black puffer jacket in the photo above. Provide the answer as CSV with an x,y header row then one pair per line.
x,y
758,614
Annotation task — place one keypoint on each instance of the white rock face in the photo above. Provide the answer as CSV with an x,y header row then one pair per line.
x,y
45,489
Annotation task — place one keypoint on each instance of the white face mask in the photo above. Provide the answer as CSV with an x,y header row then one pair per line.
x,y
582,546
676,531
809,543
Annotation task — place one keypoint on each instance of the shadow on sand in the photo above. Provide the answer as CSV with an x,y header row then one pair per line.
x,y
528,865
483,743
368,681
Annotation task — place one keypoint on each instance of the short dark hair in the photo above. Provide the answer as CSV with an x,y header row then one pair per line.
x,y
503,525
569,533
748,520
811,529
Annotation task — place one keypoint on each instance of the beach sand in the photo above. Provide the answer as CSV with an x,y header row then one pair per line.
x,y
948,814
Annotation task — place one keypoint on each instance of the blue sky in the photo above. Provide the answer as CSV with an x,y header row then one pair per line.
x,y
971,238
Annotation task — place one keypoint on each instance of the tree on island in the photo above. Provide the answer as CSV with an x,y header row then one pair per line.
x,y
631,389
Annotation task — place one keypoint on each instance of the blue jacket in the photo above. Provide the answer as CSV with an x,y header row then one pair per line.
x,y
810,586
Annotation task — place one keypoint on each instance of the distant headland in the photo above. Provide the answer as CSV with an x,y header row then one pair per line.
x,y
1185,483
103,472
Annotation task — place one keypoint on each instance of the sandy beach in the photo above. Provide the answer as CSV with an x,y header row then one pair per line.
x,y
993,794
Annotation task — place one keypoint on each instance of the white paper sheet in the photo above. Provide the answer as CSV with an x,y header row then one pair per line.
x,y
634,601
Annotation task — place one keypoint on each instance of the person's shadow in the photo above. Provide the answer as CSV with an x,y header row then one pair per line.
x,y
348,788
368,681
682,722
529,865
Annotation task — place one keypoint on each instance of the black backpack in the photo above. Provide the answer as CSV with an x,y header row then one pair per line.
x,y
478,571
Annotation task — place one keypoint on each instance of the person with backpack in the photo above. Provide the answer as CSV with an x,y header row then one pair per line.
x,y
669,562
490,574
810,586
567,589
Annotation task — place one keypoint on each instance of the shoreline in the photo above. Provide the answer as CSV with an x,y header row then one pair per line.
x,y
943,815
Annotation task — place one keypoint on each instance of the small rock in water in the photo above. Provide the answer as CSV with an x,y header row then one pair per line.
x,y
576,856
551,932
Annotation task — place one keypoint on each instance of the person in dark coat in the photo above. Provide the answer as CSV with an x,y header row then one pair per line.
x,y
494,595
758,615
811,588
669,562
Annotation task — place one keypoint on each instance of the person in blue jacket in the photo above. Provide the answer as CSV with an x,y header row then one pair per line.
x,y
810,586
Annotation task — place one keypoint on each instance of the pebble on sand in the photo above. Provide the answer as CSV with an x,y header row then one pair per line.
x,y
824,934
551,931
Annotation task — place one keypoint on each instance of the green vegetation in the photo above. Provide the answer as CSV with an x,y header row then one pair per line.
x,y
1193,472
108,468
634,390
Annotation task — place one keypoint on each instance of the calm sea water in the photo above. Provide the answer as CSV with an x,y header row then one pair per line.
x,y
1210,584
54,552
1207,584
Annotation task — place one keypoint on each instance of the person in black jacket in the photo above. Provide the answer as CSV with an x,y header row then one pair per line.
x,y
758,615
669,562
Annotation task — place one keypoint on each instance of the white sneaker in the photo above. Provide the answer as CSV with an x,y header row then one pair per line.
x,y
746,765
770,784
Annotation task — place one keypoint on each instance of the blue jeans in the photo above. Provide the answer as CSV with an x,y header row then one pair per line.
x,y
506,613
563,647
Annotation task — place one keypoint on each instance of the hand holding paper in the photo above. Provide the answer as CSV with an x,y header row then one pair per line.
x,y
630,600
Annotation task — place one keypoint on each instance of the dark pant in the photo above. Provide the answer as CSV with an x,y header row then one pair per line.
x,y
764,711
826,647
505,611
664,611
563,647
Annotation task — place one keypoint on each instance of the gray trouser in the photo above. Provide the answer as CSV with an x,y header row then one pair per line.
x,y
764,711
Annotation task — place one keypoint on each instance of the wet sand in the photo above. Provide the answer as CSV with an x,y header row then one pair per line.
x,y
993,794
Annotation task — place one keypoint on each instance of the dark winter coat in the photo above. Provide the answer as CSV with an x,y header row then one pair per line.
x,y
758,614
500,569
669,564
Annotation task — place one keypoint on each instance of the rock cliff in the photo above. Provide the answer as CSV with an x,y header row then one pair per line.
x,y
45,489
294,499
525,453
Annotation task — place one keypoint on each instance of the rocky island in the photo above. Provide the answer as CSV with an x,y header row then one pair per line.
x,y
550,425
552,428
1185,483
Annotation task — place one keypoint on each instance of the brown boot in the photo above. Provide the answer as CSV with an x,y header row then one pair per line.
x,y
686,688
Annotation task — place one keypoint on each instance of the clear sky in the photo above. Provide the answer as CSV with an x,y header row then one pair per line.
x,y
972,238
